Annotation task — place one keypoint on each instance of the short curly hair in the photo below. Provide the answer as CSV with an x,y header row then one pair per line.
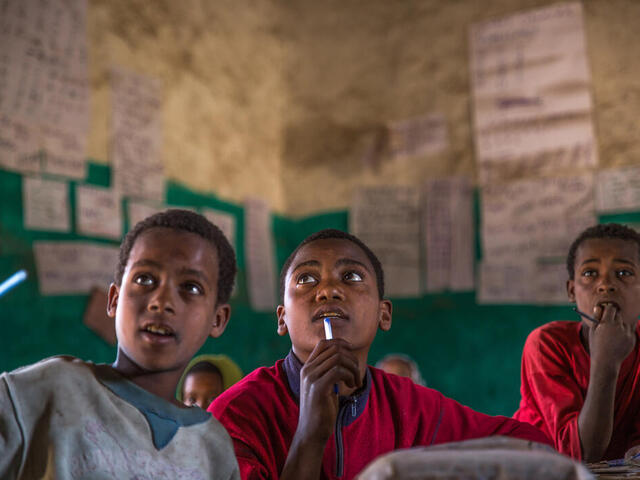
x,y
327,234
604,230
187,221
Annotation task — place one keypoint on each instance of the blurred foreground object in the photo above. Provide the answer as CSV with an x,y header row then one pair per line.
x,y
12,281
492,458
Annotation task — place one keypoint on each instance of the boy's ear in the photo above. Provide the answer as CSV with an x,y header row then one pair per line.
x,y
384,315
571,291
282,325
112,300
220,320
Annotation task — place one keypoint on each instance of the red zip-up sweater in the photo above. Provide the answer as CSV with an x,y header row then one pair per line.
x,y
555,379
261,415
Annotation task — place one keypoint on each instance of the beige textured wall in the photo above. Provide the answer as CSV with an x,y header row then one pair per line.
x,y
279,99
220,63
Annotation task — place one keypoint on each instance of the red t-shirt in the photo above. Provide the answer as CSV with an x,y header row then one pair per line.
x,y
555,377
261,415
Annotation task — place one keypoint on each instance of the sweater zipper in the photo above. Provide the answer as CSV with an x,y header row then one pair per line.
x,y
342,411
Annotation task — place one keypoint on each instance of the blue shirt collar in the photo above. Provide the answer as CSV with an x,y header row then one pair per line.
x,y
163,417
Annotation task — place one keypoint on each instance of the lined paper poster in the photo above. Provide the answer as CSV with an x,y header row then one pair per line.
x,y
259,251
531,94
423,135
387,219
19,145
46,204
138,211
44,88
224,221
528,282
98,212
448,234
136,135
535,218
66,268
618,189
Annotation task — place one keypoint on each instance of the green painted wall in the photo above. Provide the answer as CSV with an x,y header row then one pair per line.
x,y
469,352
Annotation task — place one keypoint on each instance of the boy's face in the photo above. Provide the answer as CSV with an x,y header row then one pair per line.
x,y
201,388
166,305
335,278
607,270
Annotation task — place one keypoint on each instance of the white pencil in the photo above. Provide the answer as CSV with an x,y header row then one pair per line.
x,y
328,334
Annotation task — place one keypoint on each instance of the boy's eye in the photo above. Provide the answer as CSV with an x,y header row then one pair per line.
x,y
144,279
589,273
624,273
305,278
353,277
193,288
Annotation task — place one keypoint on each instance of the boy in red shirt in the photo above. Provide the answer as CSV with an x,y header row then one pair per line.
x,y
288,422
581,381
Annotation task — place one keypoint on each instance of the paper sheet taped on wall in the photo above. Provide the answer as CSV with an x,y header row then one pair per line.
x,y
74,267
618,190
535,218
139,210
137,135
45,204
530,282
224,221
260,255
448,234
531,98
44,88
98,212
423,135
19,145
387,219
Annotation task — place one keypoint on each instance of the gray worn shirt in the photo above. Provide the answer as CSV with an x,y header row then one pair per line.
x,y
63,418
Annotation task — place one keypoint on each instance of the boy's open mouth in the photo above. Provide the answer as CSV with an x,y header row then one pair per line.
x,y
331,313
160,330
606,303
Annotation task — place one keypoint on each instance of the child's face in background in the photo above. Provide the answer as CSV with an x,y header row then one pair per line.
x,y
607,270
397,367
166,305
332,277
201,388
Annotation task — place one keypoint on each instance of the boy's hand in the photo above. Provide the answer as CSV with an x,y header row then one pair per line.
x,y
330,363
612,339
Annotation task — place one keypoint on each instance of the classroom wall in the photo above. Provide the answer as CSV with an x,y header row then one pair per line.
x,y
220,64
376,61
468,351
279,100
295,92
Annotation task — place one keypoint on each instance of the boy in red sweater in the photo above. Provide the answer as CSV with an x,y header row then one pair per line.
x,y
288,421
581,380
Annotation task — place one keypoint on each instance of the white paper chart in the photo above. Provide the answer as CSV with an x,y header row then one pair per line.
x,y
531,94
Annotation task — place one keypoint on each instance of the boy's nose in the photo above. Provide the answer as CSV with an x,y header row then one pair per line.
x,y
162,301
607,284
329,291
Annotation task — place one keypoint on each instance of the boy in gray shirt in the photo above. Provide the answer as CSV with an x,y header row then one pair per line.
x,y
64,418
